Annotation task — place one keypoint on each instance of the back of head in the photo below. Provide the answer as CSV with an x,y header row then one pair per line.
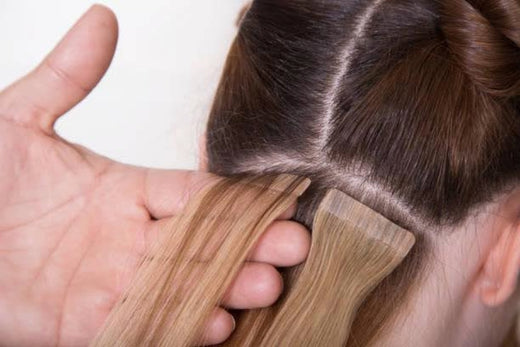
x,y
409,106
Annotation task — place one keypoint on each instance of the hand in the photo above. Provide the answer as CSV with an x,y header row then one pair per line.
x,y
73,224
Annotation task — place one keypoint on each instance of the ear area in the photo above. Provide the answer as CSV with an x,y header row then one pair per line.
x,y
499,276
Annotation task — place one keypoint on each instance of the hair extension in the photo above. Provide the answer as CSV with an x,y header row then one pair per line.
x,y
411,107
353,249
419,101
200,254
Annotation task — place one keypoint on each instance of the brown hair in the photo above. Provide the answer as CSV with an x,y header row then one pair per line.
x,y
409,106
353,249
182,279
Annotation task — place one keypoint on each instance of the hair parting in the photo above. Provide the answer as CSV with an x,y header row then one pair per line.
x,y
404,115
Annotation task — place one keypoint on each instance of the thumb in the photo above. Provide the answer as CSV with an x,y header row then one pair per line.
x,y
66,75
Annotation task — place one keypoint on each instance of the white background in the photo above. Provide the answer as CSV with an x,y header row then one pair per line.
x,y
151,107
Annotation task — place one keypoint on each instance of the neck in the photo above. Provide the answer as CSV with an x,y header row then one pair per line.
x,y
445,309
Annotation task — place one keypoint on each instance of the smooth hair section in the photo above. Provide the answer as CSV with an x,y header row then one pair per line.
x,y
354,248
181,281
411,107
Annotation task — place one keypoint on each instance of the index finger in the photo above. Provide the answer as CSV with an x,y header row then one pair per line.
x,y
166,192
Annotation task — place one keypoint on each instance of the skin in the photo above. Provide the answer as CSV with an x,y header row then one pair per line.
x,y
469,295
73,224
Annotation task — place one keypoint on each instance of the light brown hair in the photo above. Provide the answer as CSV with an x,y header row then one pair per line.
x,y
184,276
409,106
182,279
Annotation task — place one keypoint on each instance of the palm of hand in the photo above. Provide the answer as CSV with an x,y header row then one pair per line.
x,y
73,225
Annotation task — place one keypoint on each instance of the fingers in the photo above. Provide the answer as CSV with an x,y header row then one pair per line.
x,y
289,213
285,243
166,192
66,75
257,285
219,327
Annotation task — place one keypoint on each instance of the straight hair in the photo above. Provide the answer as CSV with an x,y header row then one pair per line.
x,y
183,278
410,107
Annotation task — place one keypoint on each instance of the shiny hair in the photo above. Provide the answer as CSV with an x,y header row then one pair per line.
x,y
409,106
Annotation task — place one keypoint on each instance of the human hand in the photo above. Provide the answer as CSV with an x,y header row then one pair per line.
x,y
73,224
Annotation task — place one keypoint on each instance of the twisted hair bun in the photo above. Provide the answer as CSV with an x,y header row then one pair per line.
x,y
484,38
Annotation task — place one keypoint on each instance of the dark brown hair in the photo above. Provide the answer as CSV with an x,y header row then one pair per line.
x,y
409,106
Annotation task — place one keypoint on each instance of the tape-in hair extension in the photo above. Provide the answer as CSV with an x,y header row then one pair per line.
x,y
353,249
182,280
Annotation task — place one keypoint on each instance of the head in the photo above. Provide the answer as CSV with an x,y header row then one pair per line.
x,y
412,108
